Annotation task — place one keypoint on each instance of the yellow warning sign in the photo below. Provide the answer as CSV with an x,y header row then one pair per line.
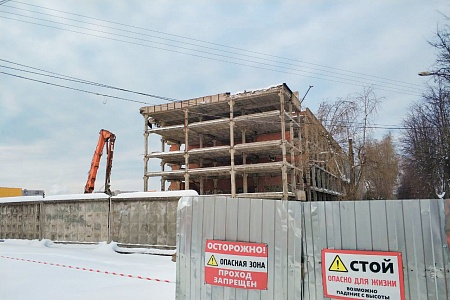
x,y
212,261
337,265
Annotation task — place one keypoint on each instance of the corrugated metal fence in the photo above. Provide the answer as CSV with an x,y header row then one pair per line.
x,y
296,233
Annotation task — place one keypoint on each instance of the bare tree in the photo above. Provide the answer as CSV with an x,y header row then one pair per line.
x,y
348,120
411,185
382,165
337,116
426,141
441,43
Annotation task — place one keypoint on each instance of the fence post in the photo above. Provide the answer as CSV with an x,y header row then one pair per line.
x,y
40,214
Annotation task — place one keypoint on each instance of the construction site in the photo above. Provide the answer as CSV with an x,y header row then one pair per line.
x,y
229,164
253,144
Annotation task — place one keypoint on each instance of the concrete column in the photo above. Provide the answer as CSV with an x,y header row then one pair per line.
x,y
292,150
301,186
186,153
244,162
109,220
215,185
313,176
215,179
232,172
202,187
255,183
306,150
163,181
146,134
283,147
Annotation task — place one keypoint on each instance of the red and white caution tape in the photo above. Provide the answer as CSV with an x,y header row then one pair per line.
x,y
88,269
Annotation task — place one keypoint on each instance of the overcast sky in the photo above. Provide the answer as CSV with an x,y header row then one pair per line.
x,y
182,50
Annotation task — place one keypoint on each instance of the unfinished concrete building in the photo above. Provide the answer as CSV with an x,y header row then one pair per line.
x,y
256,144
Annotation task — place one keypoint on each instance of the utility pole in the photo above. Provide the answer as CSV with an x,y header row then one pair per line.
x,y
351,157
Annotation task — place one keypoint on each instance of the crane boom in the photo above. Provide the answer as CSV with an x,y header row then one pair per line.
x,y
106,138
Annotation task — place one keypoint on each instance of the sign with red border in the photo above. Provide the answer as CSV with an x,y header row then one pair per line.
x,y
354,274
236,264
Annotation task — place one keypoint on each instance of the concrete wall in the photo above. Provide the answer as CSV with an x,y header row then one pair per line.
x,y
20,221
144,221
77,220
91,218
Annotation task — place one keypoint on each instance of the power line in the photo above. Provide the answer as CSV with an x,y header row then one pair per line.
x,y
164,98
341,124
198,40
348,124
75,89
74,79
397,89
357,82
357,75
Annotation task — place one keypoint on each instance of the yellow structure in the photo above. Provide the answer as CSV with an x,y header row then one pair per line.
x,y
10,192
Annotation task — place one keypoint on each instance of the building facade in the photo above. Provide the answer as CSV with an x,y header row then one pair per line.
x,y
257,144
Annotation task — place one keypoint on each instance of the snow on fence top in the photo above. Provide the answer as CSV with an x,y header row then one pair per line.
x,y
94,196
20,199
97,196
164,194
76,197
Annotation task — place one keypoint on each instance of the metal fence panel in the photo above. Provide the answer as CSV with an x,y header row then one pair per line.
x,y
231,231
296,233
379,225
268,237
280,286
185,226
243,234
434,253
309,279
219,234
249,220
208,232
196,253
348,224
397,235
363,226
415,266
413,227
255,222
294,250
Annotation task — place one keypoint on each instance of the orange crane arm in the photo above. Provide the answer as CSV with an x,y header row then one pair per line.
x,y
105,138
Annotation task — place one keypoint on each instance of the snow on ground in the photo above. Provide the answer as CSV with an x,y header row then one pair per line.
x,y
45,270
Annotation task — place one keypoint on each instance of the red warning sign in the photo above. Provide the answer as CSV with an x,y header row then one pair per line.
x,y
236,264
357,274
